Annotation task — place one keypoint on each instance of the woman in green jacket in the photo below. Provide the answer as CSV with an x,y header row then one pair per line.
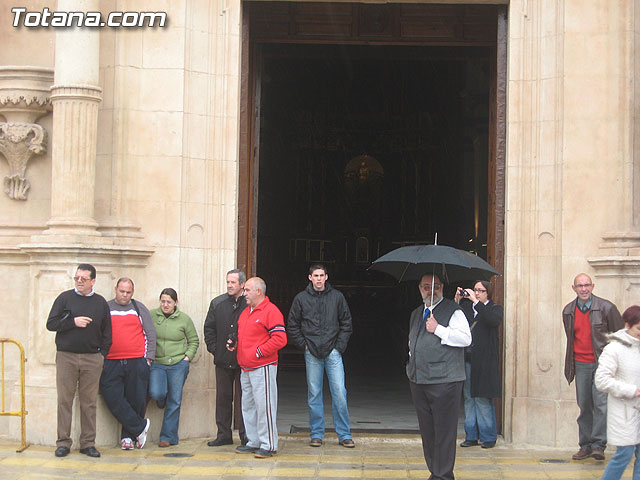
x,y
176,345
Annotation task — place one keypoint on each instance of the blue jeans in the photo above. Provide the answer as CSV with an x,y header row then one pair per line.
x,y
592,421
479,414
618,463
316,367
165,385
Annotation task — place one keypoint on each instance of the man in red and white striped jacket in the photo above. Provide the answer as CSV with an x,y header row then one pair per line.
x,y
125,375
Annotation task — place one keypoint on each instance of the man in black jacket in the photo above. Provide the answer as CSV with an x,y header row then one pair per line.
x,y
82,322
320,323
220,329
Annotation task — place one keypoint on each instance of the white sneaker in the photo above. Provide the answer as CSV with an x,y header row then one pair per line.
x,y
142,438
127,444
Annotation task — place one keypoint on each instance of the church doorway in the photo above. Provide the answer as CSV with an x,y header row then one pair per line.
x,y
360,139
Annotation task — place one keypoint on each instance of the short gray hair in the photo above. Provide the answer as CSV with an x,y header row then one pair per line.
x,y
241,275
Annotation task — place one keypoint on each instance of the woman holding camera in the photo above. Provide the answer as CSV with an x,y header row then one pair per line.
x,y
176,345
483,382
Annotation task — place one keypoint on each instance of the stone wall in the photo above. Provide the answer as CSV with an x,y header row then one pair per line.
x,y
163,203
569,194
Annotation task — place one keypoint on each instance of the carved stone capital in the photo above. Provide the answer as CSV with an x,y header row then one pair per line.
x,y
18,142
24,93
24,97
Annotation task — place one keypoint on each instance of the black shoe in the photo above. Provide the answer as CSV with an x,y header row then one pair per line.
x,y
219,442
316,442
62,451
347,443
261,453
488,444
246,449
90,452
244,440
469,443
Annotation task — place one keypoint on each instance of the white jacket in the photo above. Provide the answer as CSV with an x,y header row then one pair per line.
x,y
618,374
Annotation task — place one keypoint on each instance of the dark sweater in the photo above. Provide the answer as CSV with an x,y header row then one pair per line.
x,y
95,337
221,325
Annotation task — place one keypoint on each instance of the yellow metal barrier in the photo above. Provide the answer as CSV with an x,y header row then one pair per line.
x,y
22,412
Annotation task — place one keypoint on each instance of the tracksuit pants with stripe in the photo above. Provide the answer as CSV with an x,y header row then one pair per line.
x,y
259,407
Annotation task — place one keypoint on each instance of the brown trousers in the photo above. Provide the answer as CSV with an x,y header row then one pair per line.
x,y
81,372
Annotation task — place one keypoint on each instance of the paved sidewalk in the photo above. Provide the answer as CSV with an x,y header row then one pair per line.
x,y
375,457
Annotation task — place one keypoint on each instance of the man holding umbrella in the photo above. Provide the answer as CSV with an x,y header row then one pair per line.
x,y
438,333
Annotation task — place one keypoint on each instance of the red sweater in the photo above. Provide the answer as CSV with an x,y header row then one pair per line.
x,y
582,341
261,334
129,340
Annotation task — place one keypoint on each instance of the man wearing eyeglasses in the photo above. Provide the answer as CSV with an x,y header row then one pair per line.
x,y
82,322
587,320
438,333
220,330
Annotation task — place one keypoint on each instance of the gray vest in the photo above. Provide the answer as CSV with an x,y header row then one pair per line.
x,y
429,360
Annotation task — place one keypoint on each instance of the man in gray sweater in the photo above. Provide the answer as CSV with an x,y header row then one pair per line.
x,y
125,376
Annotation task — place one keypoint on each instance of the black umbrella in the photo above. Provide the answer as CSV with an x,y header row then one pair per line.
x,y
450,264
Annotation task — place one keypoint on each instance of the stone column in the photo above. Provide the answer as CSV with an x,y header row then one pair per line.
x,y
75,96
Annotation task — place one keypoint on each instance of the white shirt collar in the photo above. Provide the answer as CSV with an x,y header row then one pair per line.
x,y
87,295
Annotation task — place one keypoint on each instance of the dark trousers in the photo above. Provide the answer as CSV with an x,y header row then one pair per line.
x,y
437,406
228,386
123,385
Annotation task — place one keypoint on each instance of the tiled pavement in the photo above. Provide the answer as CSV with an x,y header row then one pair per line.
x,y
375,457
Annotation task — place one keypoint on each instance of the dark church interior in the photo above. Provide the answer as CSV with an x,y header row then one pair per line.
x,y
363,149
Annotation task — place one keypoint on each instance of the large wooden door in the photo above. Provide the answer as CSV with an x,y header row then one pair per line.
x,y
366,24
444,28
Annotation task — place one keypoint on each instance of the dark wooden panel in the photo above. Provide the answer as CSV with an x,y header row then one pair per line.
x,y
274,28
330,27
436,30
376,20
270,18
328,9
477,32
382,23
417,9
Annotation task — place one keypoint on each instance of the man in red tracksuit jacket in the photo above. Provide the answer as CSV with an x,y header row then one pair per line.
x,y
261,334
